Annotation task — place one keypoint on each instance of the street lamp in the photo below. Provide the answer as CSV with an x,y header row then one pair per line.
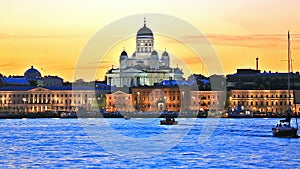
x,y
182,100
2,103
24,101
56,103
137,101
165,100
193,105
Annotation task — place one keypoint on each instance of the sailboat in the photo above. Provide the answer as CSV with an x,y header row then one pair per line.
x,y
284,127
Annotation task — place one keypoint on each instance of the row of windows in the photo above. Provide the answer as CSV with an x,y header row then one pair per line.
x,y
159,91
36,108
42,95
120,98
146,44
203,97
145,41
261,96
260,103
40,101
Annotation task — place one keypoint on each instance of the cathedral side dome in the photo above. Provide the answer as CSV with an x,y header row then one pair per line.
x,y
123,55
154,55
154,52
165,56
32,73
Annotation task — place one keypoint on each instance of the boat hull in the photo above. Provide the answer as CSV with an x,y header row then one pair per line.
x,y
164,122
285,132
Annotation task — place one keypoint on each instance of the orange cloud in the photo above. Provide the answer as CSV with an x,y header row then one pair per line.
x,y
251,41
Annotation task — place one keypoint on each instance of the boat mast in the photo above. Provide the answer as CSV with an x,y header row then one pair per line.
x,y
289,70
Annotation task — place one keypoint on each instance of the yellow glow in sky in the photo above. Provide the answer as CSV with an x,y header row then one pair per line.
x,y
50,34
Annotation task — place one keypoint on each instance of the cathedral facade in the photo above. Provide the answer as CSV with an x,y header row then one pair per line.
x,y
145,66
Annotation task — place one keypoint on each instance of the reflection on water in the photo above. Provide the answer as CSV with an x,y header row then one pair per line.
x,y
54,143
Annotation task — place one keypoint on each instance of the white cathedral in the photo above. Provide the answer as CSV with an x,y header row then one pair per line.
x,y
144,67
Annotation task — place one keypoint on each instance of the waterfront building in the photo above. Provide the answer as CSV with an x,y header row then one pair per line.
x,y
119,101
167,95
31,99
275,101
165,98
207,100
161,98
145,66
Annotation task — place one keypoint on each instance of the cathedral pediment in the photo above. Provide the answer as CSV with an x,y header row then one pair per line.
x,y
132,70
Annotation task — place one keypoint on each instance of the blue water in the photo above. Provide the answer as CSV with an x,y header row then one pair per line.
x,y
142,143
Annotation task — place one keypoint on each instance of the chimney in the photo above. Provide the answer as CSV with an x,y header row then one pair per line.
x,y
256,63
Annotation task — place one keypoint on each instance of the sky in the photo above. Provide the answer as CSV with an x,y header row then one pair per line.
x,y
51,34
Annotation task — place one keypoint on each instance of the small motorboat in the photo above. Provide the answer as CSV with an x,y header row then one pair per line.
x,y
127,118
168,121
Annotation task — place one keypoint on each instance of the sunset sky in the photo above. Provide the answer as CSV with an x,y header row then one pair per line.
x,y
50,34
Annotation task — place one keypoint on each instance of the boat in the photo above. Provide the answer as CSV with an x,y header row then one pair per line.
x,y
127,118
168,121
284,128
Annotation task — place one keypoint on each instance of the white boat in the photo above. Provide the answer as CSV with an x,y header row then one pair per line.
x,y
127,118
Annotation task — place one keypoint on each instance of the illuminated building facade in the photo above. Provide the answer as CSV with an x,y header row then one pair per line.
x,y
119,101
150,98
263,100
207,100
161,98
31,99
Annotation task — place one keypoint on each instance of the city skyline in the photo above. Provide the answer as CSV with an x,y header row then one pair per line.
x,y
52,40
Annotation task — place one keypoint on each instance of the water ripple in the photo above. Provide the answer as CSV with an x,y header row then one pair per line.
x,y
63,143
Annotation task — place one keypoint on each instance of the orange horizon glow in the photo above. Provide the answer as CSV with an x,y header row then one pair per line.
x,y
50,34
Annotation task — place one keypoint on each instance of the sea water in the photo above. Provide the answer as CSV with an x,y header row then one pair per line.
x,y
143,143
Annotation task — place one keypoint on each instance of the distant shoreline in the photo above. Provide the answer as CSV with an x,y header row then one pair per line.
x,y
40,115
